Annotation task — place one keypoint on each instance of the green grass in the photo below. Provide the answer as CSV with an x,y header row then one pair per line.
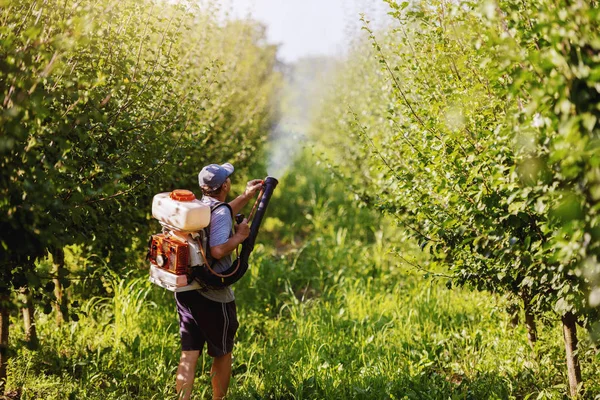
x,y
326,312
357,339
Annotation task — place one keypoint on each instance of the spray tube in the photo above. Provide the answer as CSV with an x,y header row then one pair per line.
x,y
240,266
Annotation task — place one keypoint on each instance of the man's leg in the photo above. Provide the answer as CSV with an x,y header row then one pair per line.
x,y
220,375
186,372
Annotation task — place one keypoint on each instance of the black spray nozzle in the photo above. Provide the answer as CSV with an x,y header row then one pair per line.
x,y
269,180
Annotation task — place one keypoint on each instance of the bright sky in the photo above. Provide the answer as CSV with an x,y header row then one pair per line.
x,y
308,27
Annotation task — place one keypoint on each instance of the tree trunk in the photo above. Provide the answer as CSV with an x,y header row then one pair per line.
x,y
530,322
58,266
4,324
29,321
573,369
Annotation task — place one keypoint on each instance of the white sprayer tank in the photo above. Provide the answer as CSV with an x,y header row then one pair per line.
x,y
181,210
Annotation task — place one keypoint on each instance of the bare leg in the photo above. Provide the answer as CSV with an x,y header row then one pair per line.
x,y
186,372
220,376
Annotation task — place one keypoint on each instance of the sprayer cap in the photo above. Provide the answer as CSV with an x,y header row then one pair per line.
x,y
214,175
182,195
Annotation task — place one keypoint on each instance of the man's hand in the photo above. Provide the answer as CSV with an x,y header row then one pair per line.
x,y
242,230
252,187
239,202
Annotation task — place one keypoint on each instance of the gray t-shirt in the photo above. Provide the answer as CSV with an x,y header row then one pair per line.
x,y
221,229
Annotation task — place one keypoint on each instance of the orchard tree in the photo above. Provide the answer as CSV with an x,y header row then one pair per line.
x,y
105,104
477,127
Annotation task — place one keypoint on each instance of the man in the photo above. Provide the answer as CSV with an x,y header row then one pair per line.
x,y
209,316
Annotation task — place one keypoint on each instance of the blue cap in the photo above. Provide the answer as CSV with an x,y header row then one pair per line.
x,y
214,175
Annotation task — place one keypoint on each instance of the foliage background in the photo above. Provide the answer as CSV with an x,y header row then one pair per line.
x,y
108,103
327,315
476,126
458,148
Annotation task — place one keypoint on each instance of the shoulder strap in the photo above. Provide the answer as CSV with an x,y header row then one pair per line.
x,y
213,208
219,204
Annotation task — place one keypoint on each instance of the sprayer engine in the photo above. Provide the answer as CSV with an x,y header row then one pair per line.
x,y
169,253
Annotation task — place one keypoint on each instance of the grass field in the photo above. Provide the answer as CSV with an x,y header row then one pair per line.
x,y
327,312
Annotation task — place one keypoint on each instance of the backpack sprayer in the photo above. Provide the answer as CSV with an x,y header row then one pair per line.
x,y
178,255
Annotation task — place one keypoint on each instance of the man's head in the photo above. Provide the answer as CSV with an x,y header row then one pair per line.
x,y
212,177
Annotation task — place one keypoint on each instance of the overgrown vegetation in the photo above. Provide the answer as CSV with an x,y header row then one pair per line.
x,y
326,312
476,125
458,151
104,105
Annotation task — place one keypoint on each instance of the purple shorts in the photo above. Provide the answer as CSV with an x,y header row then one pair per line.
x,y
205,321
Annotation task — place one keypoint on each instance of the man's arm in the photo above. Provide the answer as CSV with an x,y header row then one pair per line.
x,y
239,202
242,231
